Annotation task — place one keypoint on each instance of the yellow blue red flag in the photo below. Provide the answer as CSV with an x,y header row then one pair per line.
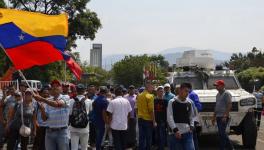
x,y
31,39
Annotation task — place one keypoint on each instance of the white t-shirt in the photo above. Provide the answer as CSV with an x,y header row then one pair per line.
x,y
88,104
119,108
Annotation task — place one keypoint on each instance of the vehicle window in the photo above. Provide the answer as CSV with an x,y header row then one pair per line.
x,y
196,82
230,82
39,86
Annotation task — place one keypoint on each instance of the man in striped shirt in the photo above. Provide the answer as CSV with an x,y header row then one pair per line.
x,y
56,115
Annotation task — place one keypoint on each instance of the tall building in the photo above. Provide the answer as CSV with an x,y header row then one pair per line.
x,y
96,55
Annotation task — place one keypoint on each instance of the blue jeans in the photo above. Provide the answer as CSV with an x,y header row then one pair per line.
x,y
145,134
185,143
57,140
224,139
161,135
195,138
99,136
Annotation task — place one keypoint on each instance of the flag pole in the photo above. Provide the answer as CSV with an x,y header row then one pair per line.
x,y
19,71
24,78
64,71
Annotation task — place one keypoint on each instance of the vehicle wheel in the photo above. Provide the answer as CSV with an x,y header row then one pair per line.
x,y
249,131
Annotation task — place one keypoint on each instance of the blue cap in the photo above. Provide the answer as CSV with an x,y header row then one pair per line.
x,y
141,89
80,86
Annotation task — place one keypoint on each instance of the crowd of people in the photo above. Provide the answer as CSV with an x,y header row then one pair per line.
x,y
62,118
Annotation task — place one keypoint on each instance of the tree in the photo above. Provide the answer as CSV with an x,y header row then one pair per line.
x,y
254,50
95,76
5,62
130,69
160,60
251,77
2,4
240,62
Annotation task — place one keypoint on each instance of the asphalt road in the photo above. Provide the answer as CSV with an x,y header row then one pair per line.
x,y
212,142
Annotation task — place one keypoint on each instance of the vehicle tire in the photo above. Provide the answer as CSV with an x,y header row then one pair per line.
x,y
249,131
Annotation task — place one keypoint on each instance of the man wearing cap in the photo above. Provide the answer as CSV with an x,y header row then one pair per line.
x,y
99,106
221,114
131,97
56,116
141,89
146,119
81,134
168,95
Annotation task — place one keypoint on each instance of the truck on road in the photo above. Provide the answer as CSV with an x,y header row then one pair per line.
x,y
198,70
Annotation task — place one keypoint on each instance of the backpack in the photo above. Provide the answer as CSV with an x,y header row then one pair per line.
x,y
79,117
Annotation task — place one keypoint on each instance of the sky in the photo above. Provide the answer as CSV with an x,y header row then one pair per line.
x,y
149,26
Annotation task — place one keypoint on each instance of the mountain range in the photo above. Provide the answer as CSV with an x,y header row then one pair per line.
x,y
170,55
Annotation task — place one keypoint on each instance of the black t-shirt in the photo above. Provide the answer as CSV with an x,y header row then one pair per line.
x,y
160,109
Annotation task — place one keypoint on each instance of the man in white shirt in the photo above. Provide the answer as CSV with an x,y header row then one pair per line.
x,y
118,111
79,132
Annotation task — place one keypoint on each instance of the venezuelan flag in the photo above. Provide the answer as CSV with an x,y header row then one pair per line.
x,y
31,39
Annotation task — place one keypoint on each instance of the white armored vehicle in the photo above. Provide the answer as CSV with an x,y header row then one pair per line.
x,y
197,68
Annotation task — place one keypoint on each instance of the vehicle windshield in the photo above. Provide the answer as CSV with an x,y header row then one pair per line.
x,y
196,82
230,82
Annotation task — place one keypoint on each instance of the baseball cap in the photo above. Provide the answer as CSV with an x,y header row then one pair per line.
x,y
160,87
219,82
46,86
80,86
103,89
141,89
65,84
124,90
177,86
17,94
55,82
131,87
28,90
166,85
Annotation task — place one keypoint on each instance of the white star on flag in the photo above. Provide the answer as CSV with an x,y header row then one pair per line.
x,y
21,37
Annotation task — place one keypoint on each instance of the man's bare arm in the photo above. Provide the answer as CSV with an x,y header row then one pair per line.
x,y
56,103
229,107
